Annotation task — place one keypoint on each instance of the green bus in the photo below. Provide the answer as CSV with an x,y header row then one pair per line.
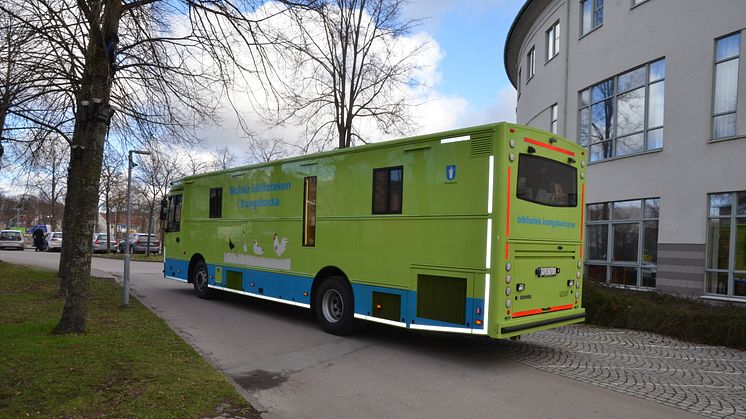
x,y
477,231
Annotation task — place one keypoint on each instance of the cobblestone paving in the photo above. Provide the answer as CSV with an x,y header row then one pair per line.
x,y
706,380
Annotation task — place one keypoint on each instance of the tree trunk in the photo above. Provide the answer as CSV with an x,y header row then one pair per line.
x,y
92,118
81,207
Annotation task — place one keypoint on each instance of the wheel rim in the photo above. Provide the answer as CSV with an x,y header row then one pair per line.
x,y
332,305
200,280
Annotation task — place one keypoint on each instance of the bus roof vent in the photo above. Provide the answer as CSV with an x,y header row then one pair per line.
x,y
480,145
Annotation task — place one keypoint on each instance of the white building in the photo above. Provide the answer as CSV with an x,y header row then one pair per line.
x,y
656,89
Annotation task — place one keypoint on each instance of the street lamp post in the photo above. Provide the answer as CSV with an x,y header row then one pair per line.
x,y
126,279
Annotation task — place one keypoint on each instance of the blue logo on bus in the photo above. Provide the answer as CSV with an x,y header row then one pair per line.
x,y
451,172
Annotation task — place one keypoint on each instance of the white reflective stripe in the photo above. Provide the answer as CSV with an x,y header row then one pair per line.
x,y
263,297
479,331
488,255
490,184
486,311
455,139
377,320
176,279
440,328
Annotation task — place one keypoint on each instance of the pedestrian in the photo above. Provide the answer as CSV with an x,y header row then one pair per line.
x,y
38,240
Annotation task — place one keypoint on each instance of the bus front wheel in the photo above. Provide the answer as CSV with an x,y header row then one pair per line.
x,y
334,306
199,280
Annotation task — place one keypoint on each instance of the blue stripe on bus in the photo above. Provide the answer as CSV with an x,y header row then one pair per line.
x,y
291,288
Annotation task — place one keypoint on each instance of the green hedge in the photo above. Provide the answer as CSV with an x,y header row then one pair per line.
x,y
682,318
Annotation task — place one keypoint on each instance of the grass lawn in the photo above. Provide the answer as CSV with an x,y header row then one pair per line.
x,y
682,318
129,364
134,256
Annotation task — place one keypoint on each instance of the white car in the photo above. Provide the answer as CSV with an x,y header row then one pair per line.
x,y
12,239
53,242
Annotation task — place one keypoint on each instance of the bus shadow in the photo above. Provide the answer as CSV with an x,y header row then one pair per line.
x,y
465,350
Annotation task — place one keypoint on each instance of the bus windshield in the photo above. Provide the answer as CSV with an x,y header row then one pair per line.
x,y
547,182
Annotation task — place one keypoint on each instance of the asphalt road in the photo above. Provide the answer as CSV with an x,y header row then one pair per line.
x,y
289,368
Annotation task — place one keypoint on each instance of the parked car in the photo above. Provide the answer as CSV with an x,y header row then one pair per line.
x,y
53,241
137,243
12,239
100,243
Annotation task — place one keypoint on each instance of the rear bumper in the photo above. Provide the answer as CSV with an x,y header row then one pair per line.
x,y
21,245
543,323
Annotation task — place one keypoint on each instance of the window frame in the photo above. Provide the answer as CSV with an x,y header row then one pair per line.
x,y
388,209
309,226
173,223
594,9
731,270
610,222
552,39
554,118
646,129
216,203
531,63
714,85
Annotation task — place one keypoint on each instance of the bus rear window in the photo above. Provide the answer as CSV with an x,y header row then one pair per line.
x,y
546,182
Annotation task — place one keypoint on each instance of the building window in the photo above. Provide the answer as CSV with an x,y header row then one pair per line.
x,y
531,63
725,97
519,83
624,114
726,245
553,41
553,118
388,190
622,242
216,203
592,15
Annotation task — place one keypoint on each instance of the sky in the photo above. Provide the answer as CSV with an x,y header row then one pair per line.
x,y
471,34
463,70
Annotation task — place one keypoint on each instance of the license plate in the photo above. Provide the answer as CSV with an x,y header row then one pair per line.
x,y
545,272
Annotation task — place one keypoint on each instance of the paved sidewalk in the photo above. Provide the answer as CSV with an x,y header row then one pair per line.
x,y
706,380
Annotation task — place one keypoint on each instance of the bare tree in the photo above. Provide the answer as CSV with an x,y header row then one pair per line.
x,y
112,185
267,149
154,176
349,70
154,62
47,164
223,158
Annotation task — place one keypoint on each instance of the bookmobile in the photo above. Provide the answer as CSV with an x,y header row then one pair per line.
x,y
476,231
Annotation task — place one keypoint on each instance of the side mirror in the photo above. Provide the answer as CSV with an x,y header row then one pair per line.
x,y
164,209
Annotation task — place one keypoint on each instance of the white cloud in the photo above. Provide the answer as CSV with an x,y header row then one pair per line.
x,y
502,110
434,111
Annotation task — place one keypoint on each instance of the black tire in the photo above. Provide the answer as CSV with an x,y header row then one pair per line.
x,y
334,306
200,280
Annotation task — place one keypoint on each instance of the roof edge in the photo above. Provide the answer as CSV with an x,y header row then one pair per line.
x,y
511,76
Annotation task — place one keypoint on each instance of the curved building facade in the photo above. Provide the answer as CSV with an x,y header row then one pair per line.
x,y
656,91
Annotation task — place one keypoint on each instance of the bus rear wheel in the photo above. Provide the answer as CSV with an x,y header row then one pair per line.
x,y
334,306
200,281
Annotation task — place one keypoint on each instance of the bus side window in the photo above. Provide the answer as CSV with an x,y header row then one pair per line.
x,y
388,190
216,203
173,223
309,211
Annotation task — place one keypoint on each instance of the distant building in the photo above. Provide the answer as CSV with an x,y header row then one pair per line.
x,y
656,91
